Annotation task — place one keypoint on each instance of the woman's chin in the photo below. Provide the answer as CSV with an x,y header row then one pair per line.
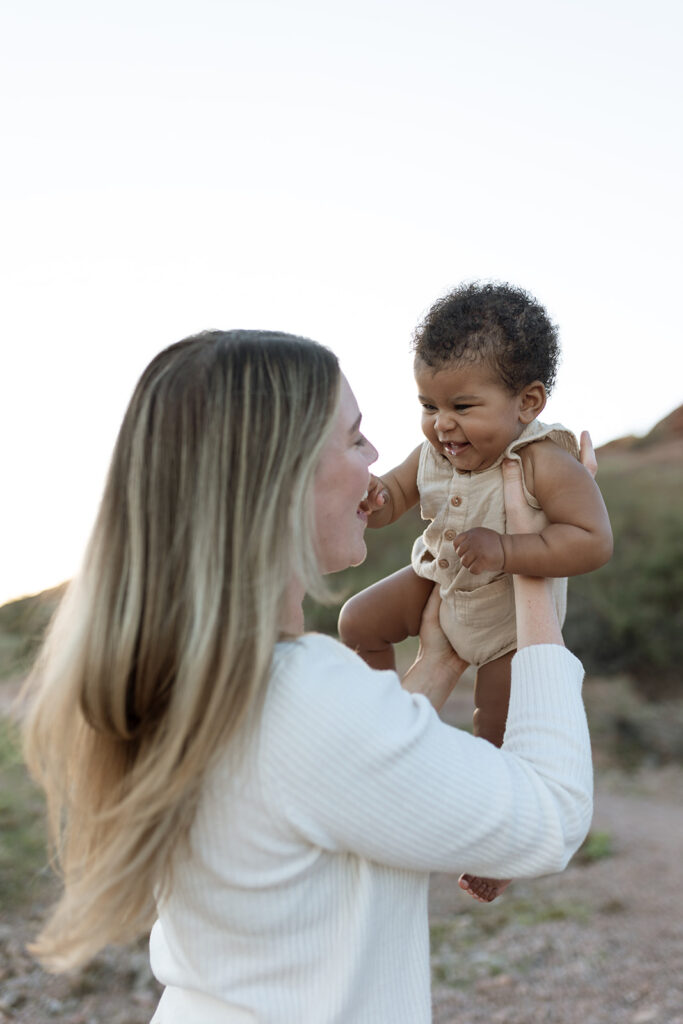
x,y
360,559
357,557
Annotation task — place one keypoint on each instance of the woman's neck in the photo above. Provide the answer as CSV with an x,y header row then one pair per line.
x,y
292,619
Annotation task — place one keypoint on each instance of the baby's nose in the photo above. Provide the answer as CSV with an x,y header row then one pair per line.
x,y
444,421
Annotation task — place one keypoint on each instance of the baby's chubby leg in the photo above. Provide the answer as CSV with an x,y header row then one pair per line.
x,y
491,699
384,614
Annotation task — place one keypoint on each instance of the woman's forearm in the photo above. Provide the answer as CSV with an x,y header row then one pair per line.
x,y
537,621
435,677
437,667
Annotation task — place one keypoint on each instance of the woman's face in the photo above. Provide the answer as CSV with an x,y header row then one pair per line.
x,y
341,483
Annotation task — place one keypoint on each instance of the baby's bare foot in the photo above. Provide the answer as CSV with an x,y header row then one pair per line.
x,y
483,889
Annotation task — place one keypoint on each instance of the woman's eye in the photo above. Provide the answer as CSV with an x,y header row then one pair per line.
x,y
360,441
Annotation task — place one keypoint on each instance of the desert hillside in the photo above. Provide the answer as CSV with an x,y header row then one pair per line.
x,y
661,444
642,481
600,944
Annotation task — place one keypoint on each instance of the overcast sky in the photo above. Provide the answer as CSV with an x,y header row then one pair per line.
x,y
327,169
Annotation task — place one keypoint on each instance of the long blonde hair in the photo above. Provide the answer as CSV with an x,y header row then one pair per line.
x,y
160,652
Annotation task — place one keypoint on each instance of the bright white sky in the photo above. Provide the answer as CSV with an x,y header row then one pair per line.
x,y
327,169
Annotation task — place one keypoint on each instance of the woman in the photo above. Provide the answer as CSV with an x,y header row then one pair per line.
x,y
273,800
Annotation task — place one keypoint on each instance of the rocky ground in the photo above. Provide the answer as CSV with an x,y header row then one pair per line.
x,y
600,944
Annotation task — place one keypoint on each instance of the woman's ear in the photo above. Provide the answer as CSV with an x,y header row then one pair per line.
x,y
532,399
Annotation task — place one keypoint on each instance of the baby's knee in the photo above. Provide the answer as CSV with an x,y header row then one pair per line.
x,y
350,624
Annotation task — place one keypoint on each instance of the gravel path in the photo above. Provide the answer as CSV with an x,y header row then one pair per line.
x,y
600,944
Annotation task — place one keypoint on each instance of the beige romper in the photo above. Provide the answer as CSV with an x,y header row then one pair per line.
x,y
477,612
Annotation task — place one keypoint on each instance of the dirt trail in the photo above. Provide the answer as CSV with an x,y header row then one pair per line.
x,y
602,943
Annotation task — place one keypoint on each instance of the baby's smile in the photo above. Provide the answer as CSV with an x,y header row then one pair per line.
x,y
467,414
455,448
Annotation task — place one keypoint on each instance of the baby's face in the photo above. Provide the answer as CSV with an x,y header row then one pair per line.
x,y
467,414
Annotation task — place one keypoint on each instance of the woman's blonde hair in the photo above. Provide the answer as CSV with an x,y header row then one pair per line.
x,y
160,652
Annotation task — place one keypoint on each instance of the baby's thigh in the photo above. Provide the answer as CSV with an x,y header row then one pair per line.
x,y
391,608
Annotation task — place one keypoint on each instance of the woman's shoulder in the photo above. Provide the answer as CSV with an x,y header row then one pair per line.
x,y
319,661
316,676
311,648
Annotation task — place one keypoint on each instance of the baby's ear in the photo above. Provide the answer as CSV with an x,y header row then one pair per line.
x,y
532,399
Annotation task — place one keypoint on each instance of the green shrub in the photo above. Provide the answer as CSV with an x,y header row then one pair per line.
x,y
596,846
628,616
22,626
23,852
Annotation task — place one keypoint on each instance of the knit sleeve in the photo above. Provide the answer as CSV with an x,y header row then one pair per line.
x,y
355,763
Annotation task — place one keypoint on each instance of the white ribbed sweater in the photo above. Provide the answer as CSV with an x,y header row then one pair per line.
x,y
304,897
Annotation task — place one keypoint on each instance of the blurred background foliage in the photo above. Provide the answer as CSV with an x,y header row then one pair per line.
x,y
625,622
628,616
625,619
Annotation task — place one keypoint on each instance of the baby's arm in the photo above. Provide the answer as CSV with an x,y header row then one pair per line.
x,y
578,537
391,495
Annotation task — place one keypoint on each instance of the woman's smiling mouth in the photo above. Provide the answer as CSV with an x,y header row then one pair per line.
x,y
362,511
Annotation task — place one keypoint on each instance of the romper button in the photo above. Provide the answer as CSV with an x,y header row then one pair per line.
x,y
449,535
456,501
443,562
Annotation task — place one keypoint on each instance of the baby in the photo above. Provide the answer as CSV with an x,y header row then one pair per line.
x,y
485,360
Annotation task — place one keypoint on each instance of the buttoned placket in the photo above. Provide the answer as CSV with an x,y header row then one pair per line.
x,y
454,518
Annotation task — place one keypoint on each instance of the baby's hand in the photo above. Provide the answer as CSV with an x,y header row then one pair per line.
x,y
377,497
480,550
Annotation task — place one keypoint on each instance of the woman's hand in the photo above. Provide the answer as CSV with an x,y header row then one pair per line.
x,y
588,459
537,621
521,518
437,666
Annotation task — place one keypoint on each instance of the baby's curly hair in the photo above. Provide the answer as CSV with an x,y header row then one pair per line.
x,y
498,323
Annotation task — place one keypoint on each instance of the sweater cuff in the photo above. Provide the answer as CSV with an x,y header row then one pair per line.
x,y
549,666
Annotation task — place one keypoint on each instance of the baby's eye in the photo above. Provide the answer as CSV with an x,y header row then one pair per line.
x,y
427,407
462,408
